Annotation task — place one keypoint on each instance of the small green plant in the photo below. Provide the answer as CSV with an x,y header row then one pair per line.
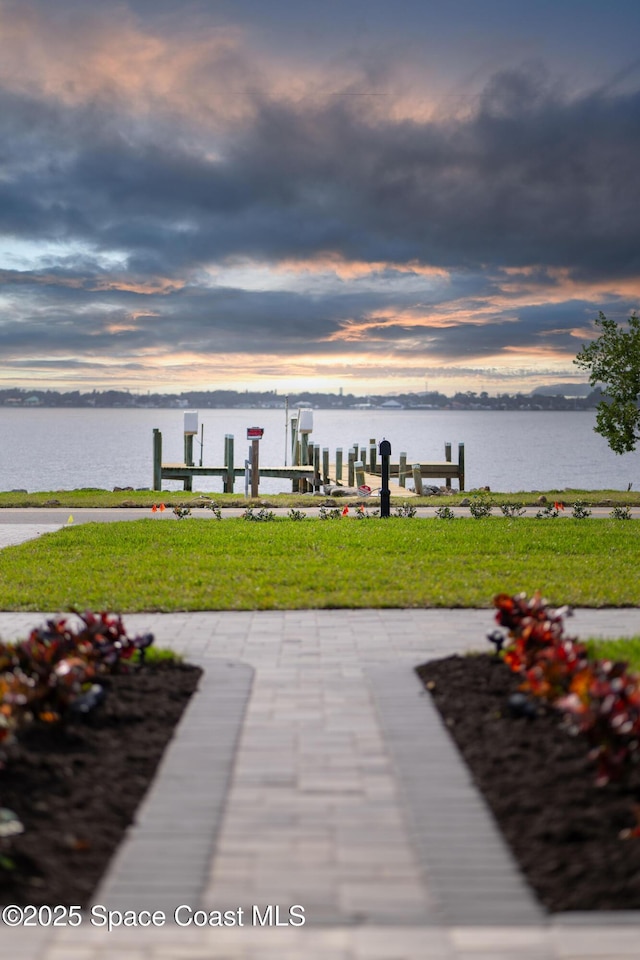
x,y
363,514
513,510
261,516
215,510
296,514
550,511
182,512
580,510
620,513
445,513
406,510
330,513
480,506
155,655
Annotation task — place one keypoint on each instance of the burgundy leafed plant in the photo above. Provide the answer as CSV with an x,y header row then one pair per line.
x,y
599,698
51,676
54,672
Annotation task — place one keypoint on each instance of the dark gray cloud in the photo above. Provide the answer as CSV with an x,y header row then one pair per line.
x,y
533,176
530,178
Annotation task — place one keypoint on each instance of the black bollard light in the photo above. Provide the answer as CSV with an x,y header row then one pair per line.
x,y
385,493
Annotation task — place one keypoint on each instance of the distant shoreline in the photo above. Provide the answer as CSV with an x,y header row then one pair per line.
x,y
585,399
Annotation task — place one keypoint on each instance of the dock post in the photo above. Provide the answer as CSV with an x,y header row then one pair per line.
x,y
447,456
373,450
350,467
339,464
417,479
255,467
325,464
402,470
316,467
295,445
157,459
188,449
303,457
228,462
461,466
359,470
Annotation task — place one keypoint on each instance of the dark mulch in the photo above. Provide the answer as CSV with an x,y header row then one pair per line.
x,y
563,830
77,789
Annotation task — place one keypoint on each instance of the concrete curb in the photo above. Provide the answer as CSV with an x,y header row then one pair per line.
x,y
165,857
469,867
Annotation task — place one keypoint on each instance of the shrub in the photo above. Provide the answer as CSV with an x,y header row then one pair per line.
x,y
480,506
580,510
620,513
363,514
513,510
261,516
334,513
598,698
406,510
551,511
51,677
51,674
445,513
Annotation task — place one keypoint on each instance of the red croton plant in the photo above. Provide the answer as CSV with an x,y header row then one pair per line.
x,y
56,671
53,676
599,698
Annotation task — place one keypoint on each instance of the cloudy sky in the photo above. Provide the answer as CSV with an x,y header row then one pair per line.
x,y
378,196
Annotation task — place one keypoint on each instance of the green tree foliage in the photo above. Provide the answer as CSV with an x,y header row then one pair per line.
x,y
613,360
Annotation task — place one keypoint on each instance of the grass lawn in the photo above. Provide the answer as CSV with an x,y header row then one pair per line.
x,y
626,648
199,564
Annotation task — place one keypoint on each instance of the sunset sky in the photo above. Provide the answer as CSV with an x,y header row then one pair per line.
x,y
373,196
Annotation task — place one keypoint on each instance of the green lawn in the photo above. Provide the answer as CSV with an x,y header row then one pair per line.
x,y
625,648
199,564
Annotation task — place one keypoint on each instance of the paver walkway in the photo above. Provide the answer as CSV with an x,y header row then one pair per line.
x,y
300,793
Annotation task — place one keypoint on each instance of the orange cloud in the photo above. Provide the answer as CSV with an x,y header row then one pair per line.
x,y
335,263
211,75
109,55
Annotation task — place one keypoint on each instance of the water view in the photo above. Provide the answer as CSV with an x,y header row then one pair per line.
x,y
52,449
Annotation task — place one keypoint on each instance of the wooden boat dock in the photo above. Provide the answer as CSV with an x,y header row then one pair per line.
x,y
313,471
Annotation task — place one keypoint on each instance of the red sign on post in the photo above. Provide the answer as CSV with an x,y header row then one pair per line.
x,y
255,433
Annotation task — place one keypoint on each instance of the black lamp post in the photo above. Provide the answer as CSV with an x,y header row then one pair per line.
x,y
385,493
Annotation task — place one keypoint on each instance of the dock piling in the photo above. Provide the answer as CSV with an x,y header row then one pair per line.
x,y
229,476
417,479
373,460
402,470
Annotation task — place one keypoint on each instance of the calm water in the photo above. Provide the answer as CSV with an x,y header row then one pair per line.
x,y
53,449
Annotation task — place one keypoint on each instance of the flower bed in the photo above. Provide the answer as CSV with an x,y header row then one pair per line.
x,y
76,763
551,739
